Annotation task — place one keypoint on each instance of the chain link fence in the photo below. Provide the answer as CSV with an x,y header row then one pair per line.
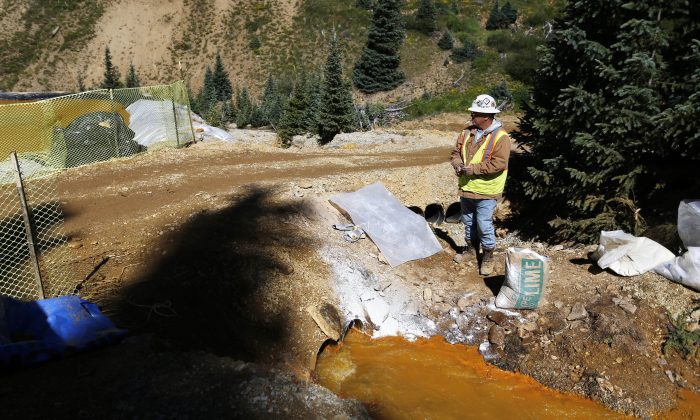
x,y
64,132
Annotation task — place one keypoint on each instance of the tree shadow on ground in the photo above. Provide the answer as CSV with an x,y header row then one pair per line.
x,y
206,280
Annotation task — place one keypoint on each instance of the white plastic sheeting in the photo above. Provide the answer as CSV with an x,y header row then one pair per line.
x,y
689,222
400,234
686,268
629,255
146,120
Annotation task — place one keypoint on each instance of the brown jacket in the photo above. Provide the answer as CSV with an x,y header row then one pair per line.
x,y
497,163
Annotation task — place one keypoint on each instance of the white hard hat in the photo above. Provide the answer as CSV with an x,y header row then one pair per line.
x,y
484,104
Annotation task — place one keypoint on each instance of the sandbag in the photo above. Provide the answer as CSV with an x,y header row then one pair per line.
x,y
689,222
684,269
526,279
629,255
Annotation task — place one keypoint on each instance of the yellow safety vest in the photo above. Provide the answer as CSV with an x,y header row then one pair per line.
x,y
486,184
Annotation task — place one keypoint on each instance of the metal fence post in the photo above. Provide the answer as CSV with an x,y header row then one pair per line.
x,y
27,225
115,121
172,101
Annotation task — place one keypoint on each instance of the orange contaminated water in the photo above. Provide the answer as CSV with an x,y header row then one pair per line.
x,y
431,379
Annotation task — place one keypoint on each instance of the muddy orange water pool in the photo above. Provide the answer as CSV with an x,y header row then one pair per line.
x,y
431,379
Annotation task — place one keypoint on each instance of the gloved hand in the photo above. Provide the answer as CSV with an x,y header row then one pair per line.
x,y
468,170
459,170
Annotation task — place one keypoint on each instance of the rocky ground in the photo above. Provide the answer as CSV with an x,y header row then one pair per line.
x,y
222,261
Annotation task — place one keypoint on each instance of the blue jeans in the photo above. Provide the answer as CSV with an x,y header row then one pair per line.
x,y
480,230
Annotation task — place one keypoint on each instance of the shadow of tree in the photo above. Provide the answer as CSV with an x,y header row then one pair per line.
x,y
207,278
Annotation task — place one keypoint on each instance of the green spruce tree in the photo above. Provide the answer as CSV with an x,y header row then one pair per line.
x,y
446,41
496,19
132,79
426,17
222,83
336,110
111,73
292,121
206,99
612,132
313,92
271,104
509,13
365,4
378,66
244,108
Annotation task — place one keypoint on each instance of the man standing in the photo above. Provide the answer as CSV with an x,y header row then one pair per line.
x,y
480,160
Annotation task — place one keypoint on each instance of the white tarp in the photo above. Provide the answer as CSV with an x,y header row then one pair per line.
x,y
629,255
400,234
149,119
689,222
686,268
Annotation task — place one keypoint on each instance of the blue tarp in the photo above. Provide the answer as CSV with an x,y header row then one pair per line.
x,y
32,332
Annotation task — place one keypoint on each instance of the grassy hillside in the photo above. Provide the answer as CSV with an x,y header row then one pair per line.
x,y
256,38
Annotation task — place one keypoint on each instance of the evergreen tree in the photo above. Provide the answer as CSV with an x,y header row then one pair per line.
x,y
132,80
496,18
222,83
613,130
426,17
271,105
378,66
206,99
111,73
467,51
244,108
292,121
446,42
227,114
509,13
365,4
313,93
336,111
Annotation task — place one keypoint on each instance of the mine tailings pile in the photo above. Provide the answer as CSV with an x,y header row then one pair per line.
x,y
430,378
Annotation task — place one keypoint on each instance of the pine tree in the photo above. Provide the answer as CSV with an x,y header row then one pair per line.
x,y
336,110
613,129
426,17
227,114
467,51
292,121
111,73
132,80
244,108
222,83
365,4
496,18
378,66
446,42
509,13
206,99
313,93
271,104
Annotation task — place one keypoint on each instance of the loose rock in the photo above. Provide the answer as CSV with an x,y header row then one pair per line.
x,y
577,312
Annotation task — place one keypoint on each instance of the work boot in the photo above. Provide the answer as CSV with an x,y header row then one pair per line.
x,y
468,255
487,263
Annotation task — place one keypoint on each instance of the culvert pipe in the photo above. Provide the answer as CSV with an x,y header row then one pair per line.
x,y
416,209
434,214
453,214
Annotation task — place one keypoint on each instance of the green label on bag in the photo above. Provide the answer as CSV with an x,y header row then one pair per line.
x,y
531,283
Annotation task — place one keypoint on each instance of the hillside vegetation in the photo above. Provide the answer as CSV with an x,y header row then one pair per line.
x,y
173,39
